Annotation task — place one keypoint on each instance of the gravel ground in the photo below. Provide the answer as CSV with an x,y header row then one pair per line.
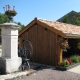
x,y
50,74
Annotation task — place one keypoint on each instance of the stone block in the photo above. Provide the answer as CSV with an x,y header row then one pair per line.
x,y
8,65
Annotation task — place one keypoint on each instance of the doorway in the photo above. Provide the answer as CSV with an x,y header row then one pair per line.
x,y
73,48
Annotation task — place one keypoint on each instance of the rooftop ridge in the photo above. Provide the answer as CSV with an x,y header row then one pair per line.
x,y
57,22
45,19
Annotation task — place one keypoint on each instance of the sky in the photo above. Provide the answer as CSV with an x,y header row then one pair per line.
x,y
46,9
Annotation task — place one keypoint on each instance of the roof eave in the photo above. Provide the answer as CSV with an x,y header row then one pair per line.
x,y
72,35
28,26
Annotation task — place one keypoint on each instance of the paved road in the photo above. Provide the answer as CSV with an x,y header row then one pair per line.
x,y
75,69
49,74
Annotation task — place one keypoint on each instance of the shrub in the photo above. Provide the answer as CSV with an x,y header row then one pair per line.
x,y
74,59
64,63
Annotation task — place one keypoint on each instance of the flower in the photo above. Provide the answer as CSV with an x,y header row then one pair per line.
x,y
64,45
12,12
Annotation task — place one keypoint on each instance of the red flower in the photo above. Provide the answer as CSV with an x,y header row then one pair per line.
x,y
79,58
70,61
64,45
67,62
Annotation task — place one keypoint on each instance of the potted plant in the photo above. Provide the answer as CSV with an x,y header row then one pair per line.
x,y
10,13
64,45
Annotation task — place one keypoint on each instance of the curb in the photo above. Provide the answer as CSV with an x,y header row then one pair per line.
x,y
17,74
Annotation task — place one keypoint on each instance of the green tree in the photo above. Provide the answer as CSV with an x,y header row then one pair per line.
x,y
21,25
77,19
66,19
3,18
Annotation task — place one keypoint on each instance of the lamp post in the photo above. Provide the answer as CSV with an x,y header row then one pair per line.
x,y
10,13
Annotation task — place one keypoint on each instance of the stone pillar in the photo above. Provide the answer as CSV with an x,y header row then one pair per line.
x,y
9,62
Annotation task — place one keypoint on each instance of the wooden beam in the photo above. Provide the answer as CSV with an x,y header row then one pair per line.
x,y
60,56
28,26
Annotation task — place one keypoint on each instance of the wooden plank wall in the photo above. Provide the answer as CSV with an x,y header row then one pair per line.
x,y
32,36
45,44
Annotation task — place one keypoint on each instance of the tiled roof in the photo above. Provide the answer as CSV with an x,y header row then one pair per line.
x,y
67,29
62,29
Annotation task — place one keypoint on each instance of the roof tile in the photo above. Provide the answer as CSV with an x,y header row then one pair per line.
x,y
65,28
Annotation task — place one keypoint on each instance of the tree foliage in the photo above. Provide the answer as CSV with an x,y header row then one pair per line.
x,y
74,19
21,25
66,19
77,19
3,18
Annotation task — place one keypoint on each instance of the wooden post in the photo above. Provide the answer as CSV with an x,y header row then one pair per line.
x,y
60,56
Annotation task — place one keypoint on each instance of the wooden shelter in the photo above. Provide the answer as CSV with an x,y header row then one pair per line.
x,y
46,37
